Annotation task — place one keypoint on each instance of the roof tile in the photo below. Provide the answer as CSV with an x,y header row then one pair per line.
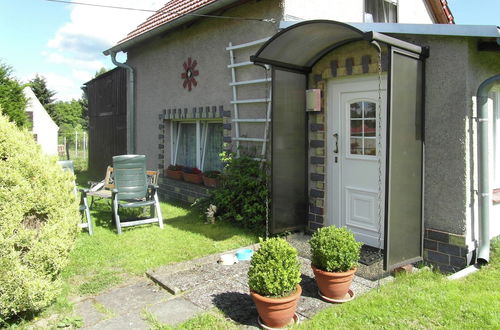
x,y
171,11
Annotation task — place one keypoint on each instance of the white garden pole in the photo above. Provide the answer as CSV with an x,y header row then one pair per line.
x,y
76,144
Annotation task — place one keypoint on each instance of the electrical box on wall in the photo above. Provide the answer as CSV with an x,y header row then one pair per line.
x,y
313,99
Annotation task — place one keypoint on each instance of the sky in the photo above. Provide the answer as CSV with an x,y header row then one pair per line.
x,y
64,43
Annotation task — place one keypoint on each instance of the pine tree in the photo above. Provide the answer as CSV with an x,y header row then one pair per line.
x,y
12,100
43,93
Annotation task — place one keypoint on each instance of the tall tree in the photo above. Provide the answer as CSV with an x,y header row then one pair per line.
x,y
69,113
43,93
12,100
100,72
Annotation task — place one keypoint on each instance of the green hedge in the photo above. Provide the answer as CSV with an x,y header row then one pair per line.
x,y
38,223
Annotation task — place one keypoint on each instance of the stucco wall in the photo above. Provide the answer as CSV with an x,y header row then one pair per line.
x,y
454,71
159,64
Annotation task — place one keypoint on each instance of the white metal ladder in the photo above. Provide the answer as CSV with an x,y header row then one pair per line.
x,y
235,84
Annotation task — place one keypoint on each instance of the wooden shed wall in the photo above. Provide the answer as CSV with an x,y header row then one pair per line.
x,y
107,102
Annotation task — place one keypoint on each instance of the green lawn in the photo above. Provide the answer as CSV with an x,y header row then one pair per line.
x,y
423,300
106,259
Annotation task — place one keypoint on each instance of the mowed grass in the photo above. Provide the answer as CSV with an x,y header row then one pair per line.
x,y
106,259
423,300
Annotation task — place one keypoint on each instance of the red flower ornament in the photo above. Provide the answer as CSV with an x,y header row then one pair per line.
x,y
189,74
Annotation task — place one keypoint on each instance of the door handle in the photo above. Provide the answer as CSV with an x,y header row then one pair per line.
x,y
336,136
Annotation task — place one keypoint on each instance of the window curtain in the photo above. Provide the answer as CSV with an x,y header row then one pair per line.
x,y
213,148
186,152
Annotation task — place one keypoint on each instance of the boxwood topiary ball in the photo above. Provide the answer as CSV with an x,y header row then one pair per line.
x,y
274,269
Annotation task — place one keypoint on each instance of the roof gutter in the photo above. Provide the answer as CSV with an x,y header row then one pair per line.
x,y
483,168
122,47
131,131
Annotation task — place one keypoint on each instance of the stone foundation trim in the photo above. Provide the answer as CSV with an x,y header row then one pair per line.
x,y
445,251
180,191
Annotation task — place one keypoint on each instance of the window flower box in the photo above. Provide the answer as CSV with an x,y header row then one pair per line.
x,y
174,172
211,178
192,175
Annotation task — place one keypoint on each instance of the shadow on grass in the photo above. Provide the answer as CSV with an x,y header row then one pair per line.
x,y
238,307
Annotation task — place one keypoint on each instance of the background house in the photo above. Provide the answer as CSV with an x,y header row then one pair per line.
x,y
44,128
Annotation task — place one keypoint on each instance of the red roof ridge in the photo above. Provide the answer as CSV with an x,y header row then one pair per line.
x,y
169,12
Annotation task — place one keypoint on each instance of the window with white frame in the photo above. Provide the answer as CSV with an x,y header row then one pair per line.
x,y
197,143
381,11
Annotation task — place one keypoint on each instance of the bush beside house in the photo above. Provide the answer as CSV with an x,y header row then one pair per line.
x,y
241,194
39,217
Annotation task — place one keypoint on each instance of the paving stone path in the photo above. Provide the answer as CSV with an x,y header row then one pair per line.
x,y
175,293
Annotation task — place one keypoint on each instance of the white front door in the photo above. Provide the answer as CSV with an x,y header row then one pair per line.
x,y
354,173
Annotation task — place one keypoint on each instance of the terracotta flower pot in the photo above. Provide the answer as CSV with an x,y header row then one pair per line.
x,y
333,285
276,312
210,182
177,175
192,177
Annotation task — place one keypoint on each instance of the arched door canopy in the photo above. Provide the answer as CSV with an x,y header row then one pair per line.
x,y
300,46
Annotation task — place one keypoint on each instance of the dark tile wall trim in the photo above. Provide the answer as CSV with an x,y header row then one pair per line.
x,y
180,191
445,251
206,112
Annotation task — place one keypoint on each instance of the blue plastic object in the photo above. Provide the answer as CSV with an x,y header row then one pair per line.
x,y
244,254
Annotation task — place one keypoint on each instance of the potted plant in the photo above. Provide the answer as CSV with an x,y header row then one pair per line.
x,y
174,172
211,178
192,174
274,278
335,254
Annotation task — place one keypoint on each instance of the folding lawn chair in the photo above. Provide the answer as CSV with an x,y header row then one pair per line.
x,y
67,165
133,191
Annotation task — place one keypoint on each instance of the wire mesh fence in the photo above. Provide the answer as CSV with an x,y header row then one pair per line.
x,y
74,146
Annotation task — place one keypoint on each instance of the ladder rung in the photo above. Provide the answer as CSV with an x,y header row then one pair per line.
x,y
237,65
251,101
255,120
249,82
249,139
248,44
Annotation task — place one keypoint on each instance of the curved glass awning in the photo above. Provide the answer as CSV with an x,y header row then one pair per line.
x,y
301,45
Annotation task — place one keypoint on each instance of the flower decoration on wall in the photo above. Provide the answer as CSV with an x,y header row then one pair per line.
x,y
189,74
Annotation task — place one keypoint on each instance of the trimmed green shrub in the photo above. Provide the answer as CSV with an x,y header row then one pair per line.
x,y
241,194
274,269
38,223
334,249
